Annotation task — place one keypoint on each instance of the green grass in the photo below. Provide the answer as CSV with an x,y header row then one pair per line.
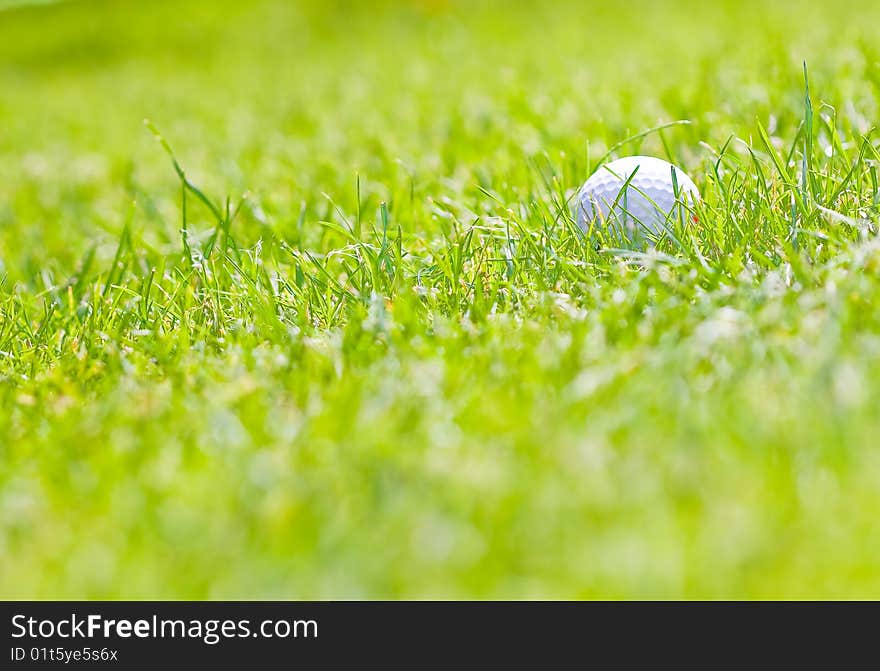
x,y
356,347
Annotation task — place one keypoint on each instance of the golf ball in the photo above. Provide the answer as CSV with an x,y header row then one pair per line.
x,y
652,202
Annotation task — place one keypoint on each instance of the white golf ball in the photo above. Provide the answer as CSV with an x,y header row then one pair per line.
x,y
651,202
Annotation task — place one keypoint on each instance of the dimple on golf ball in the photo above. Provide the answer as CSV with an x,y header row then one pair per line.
x,y
651,202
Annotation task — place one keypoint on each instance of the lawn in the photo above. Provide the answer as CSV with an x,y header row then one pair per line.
x,y
323,326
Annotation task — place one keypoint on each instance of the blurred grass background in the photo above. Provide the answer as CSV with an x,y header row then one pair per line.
x,y
630,435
